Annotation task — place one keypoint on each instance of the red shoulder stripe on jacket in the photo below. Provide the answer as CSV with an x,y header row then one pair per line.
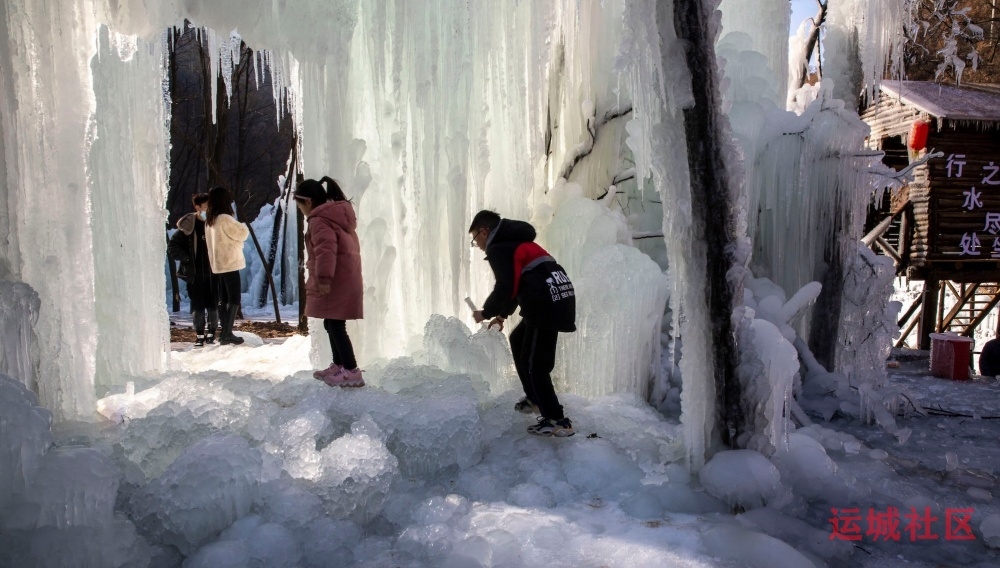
x,y
525,254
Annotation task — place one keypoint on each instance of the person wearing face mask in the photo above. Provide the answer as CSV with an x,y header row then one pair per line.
x,y
188,246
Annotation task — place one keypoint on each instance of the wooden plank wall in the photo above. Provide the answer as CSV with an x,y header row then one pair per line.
x,y
889,118
943,211
964,192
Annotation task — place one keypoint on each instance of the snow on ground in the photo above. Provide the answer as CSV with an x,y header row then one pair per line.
x,y
238,457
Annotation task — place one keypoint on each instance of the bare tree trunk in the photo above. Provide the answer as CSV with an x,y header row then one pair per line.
x,y
710,206
813,41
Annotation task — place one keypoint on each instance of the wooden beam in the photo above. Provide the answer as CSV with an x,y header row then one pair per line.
x,y
906,333
928,316
981,315
910,310
963,299
887,247
879,229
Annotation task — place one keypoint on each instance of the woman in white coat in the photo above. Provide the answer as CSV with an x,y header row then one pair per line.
x,y
224,236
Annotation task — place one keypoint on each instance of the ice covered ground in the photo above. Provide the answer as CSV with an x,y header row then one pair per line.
x,y
238,457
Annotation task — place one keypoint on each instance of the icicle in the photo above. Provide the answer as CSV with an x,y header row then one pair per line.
x,y
256,69
214,56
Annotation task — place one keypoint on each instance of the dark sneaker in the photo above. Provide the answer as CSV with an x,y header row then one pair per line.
x,y
548,427
209,340
200,342
525,406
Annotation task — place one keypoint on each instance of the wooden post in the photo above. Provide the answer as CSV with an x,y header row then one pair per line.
x,y
174,292
928,316
300,230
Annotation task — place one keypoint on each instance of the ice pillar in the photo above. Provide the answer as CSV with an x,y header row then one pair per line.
x,y
127,167
46,50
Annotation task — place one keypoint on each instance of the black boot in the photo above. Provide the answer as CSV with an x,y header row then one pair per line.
x,y
213,326
226,337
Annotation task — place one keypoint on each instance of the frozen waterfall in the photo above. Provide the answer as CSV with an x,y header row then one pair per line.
x,y
425,112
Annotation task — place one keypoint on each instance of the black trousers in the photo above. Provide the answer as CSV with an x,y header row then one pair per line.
x,y
203,290
229,287
534,351
340,343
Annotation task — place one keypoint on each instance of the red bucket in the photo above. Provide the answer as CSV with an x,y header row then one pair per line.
x,y
951,355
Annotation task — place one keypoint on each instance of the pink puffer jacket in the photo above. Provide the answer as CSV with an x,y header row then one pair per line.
x,y
334,258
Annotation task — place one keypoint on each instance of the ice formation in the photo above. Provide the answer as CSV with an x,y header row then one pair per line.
x,y
449,135
18,314
862,41
254,278
427,113
743,478
57,505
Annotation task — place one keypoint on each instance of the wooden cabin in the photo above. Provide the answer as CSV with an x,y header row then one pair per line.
x,y
943,228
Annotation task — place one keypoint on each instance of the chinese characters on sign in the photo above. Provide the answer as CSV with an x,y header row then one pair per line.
x,y
891,525
970,243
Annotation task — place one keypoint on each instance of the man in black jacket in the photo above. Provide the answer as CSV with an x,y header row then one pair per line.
x,y
188,246
989,359
528,277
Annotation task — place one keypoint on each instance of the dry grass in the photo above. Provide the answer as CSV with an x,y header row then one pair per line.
x,y
264,329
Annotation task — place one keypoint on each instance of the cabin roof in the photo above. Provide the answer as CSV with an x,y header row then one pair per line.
x,y
980,103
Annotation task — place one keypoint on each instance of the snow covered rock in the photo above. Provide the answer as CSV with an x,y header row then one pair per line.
x,y
990,527
743,478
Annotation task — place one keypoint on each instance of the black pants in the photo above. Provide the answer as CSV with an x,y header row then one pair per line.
x,y
229,287
340,343
534,351
203,292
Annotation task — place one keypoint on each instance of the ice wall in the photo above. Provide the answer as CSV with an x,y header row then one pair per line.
x,y
463,108
766,23
285,270
127,181
616,347
57,504
863,39
45,116
444,122
425,112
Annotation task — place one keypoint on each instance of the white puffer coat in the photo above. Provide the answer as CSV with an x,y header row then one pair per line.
x,y
225,244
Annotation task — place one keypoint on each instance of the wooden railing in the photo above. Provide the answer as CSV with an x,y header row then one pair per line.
x,y
877,238
973,302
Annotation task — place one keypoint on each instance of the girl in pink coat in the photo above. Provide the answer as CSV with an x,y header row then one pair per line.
x,y
334,291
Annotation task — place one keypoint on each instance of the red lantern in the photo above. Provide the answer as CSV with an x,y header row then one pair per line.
x,y
918,134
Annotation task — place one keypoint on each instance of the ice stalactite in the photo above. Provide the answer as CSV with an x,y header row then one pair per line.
x,y
863,39
127,184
